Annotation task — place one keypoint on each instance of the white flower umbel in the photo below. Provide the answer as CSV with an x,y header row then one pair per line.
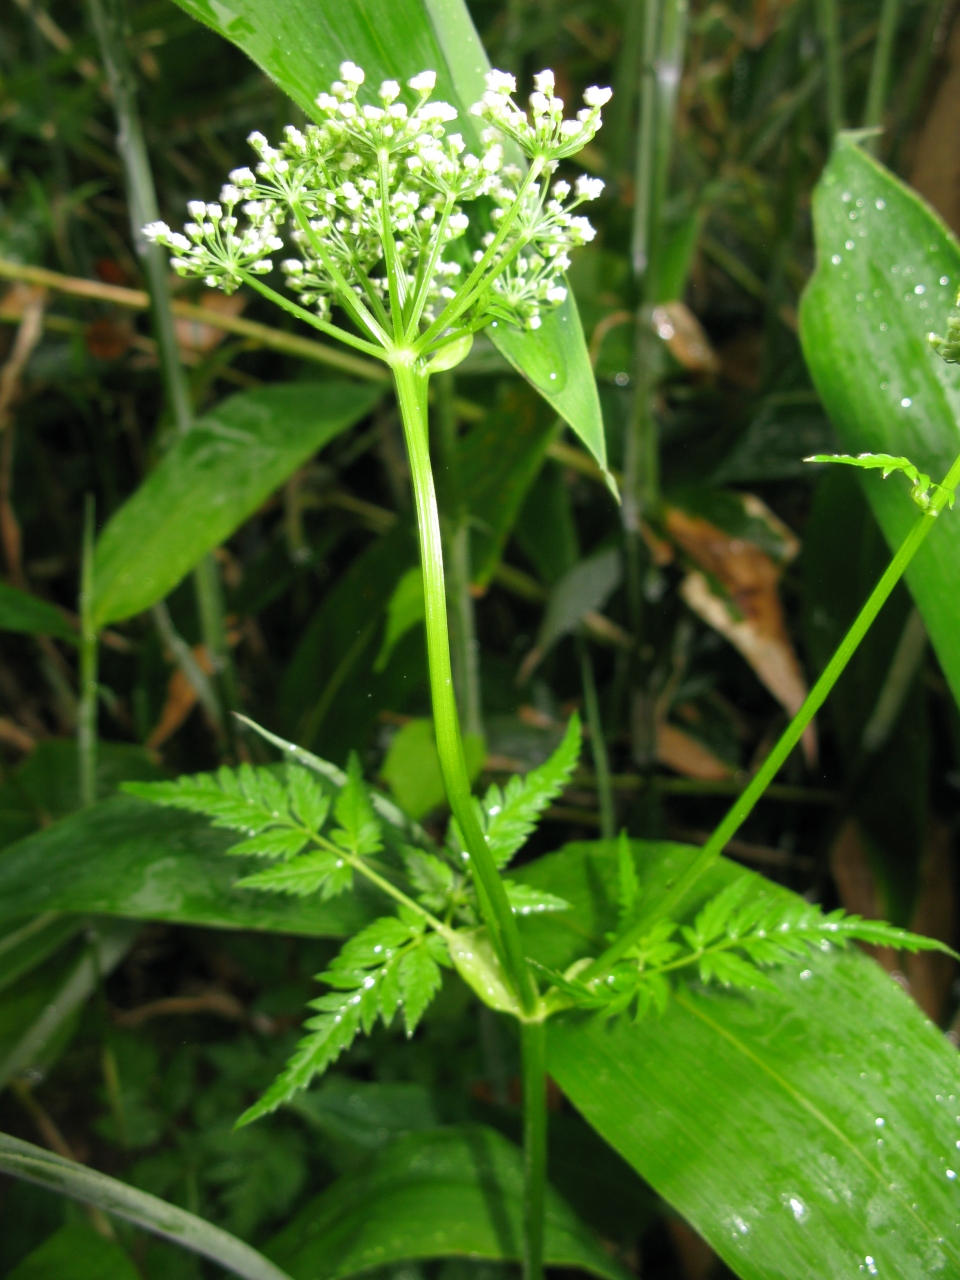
x,y
369,206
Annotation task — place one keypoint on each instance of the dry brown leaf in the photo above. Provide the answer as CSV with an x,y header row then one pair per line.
x,y
599,627
199,338
688,755
108,339
696,1257
18,298
750,614
181,699
936,159
685,337
14,736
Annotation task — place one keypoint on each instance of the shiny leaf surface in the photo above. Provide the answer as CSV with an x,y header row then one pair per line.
x,y
805,1132
301,43
210,482
126,857
441,1193
887,273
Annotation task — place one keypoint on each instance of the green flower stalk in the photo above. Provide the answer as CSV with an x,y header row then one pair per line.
x,y
369,207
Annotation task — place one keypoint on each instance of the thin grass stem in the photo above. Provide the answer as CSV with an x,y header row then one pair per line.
x,y
828,19
598,742
88,704
880,69
743,806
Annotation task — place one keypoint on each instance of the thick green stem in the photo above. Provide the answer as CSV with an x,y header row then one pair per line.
x,y
109,21
466,671
598,742
743,805
533,1048
87,709
880,70
411,385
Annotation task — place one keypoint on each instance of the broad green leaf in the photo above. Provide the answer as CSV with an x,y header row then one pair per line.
x,y
45,786
802,1131
364,1114
585,588
405,609
29,942
38,1015
499,459
544,529
20,611
887,273
412,766
210,482
301,43
555,360
126,857
452,1192
79,1252
340,640
67,1178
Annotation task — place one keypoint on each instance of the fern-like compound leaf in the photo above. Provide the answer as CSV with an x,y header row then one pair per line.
x,y
509,815
359,831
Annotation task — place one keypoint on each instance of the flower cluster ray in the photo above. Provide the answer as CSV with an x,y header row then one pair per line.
x,y
368,204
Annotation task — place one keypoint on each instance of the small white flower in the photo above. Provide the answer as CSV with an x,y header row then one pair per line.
x,y
561,190
242,177
595,97
501,82
556,293
439,111
545,82
197,209
157,231
389,91
175,240
425,82
589,188
352,74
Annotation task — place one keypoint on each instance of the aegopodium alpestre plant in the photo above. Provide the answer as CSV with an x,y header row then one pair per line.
x,y
371,201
